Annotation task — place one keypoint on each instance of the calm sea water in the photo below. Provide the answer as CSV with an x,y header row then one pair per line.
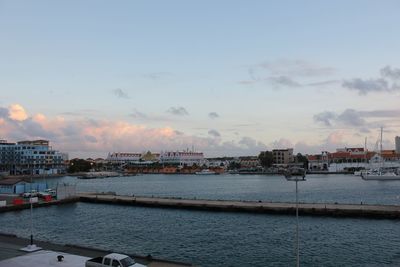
x,y
317,188
224,239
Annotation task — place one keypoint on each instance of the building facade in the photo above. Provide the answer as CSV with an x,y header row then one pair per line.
x,y
283,156
122,157
31,157
182,158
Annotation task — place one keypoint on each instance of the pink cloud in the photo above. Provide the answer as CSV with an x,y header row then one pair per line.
x,y
95,138
17,112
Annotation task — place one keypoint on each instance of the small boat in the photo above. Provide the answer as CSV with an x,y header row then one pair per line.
x,y
380,175
205,172
357,173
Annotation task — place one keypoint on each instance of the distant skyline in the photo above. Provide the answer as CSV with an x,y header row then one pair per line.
x,y
228,78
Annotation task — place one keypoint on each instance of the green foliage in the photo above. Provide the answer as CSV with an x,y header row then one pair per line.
x,y
234,165
302,159
266,159
79,165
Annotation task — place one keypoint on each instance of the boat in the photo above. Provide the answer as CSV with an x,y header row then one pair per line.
x,y
205,172
358,173
381,173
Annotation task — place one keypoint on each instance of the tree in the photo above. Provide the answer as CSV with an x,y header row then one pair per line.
x,y
302,159
234,165
266,159
79,165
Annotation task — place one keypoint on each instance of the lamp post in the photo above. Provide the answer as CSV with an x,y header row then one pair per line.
x,y
296,175
31,247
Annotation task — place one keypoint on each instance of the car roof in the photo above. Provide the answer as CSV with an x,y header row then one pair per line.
x,y
116,256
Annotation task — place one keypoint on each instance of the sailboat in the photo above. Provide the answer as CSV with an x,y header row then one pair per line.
x,y
381,173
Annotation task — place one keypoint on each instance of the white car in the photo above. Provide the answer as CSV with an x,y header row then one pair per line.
x,y
32,193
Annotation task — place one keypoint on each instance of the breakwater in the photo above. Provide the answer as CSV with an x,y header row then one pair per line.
x,y
288,208
312,209
27,205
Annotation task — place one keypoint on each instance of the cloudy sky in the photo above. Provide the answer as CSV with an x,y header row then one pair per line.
x,y
224,77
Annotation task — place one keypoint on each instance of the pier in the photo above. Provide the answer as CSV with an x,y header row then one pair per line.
x,y
312,209
288,208
27,205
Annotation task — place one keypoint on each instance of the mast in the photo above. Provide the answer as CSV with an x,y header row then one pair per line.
x,y
365,150
381,140
380,152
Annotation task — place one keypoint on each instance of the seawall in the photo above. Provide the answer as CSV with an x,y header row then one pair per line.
x,y
312,209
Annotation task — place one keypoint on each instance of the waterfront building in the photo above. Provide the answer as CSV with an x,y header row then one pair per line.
x,y
132,158
249,162
31,157
150,157
318,162
7,157
12,186
397,143
218,162
182,158
353,159
123,157
19,186
283,156
352,150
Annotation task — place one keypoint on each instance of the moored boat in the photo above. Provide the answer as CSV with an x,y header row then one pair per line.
x,y
205,172
380,176
381,173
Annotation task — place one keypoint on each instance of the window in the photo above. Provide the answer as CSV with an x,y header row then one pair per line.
x,y
115,263
128,261
107,261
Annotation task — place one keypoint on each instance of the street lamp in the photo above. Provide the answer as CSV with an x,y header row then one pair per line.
x,y
32,199
297,175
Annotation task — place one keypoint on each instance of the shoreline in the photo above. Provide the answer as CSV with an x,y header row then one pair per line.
x,y
83,175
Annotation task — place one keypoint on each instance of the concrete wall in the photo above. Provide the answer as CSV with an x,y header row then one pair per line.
x,y
65,191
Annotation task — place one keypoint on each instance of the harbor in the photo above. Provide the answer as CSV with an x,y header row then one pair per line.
x,y
252,213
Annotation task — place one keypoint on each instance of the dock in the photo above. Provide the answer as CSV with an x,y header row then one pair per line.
x,y
287,208
312,209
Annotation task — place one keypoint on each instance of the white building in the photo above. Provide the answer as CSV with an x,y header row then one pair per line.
x,y
182,158
122,157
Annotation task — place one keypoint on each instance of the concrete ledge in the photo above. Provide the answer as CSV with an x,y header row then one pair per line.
x,y
311,209
38,205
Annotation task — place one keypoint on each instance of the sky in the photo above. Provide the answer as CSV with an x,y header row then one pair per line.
x,y
228,78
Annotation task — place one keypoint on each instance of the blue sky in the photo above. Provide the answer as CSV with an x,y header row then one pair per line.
x,y
227,77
